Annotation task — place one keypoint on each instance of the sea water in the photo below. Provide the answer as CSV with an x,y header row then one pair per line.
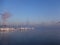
x,y
31,37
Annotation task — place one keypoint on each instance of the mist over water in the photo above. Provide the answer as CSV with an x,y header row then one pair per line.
x,y
41,35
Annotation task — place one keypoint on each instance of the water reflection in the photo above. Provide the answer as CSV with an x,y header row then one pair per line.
x,y
30,37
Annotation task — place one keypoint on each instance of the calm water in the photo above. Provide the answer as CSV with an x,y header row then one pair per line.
x,y
31,37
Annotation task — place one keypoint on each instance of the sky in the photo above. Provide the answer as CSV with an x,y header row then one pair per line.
x,y
33,11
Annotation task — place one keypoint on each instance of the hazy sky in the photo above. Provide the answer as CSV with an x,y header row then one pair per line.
x,y
33,10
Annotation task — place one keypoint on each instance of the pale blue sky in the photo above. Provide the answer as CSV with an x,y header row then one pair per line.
x,y
33,10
